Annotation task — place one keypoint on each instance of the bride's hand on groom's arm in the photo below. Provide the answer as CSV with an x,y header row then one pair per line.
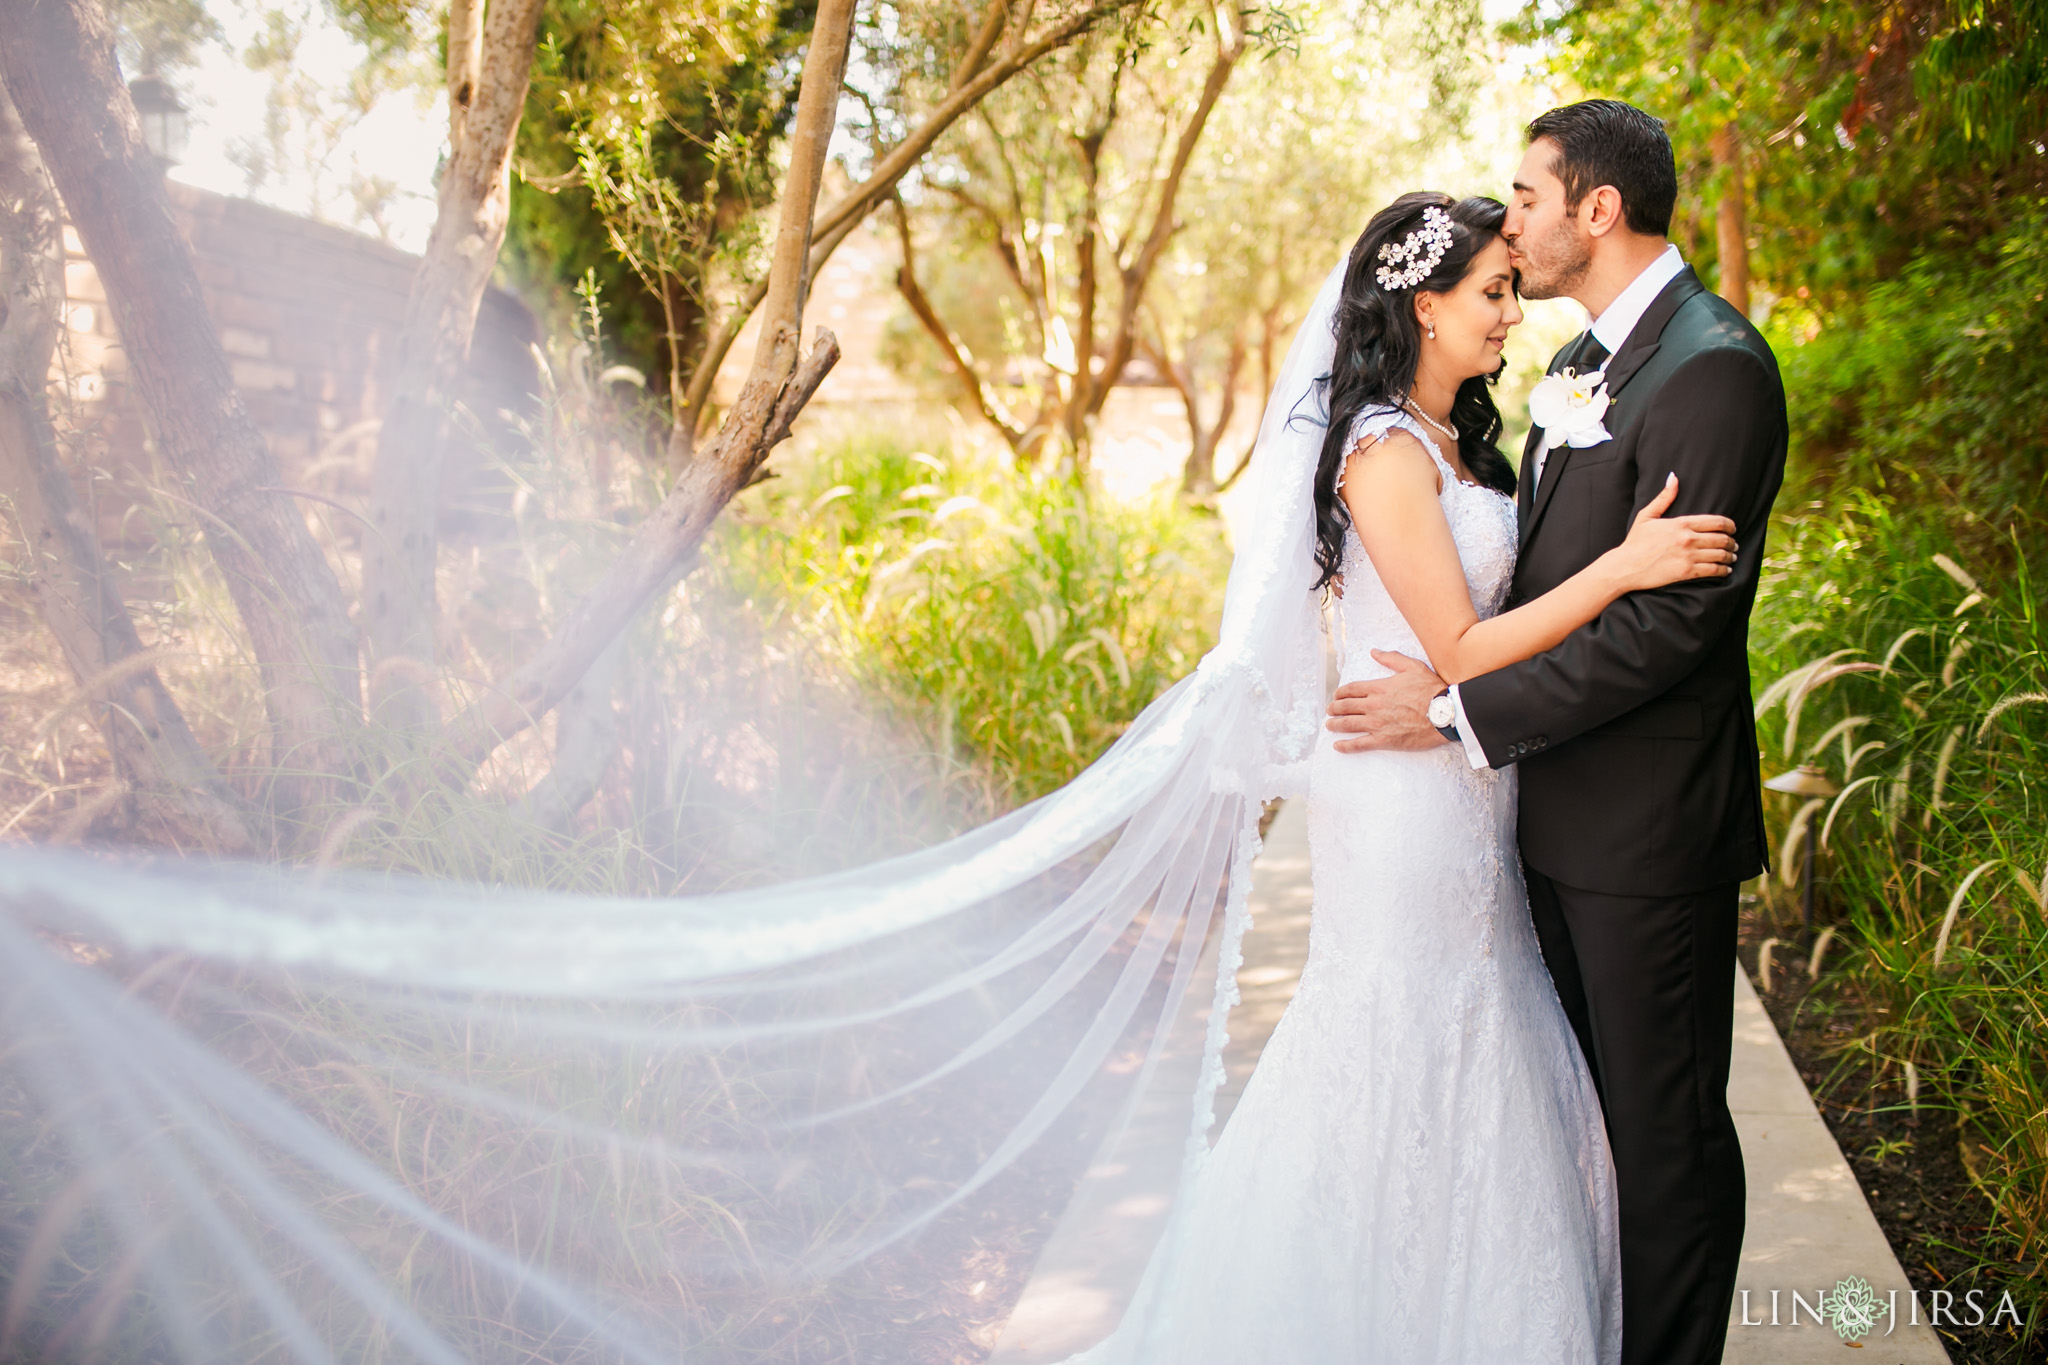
x,y
1661,550
1390,712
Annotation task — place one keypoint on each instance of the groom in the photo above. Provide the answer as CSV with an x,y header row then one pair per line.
x,y
1640,809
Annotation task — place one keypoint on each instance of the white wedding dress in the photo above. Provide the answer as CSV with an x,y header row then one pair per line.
x,y
1417,1172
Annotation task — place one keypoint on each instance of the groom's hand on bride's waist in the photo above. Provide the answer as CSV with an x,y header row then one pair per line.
x,y
1390,712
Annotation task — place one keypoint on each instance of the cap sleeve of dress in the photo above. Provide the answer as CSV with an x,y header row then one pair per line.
x,y
1376,422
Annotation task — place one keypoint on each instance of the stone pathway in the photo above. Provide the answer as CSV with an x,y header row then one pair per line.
x,y
1808,1224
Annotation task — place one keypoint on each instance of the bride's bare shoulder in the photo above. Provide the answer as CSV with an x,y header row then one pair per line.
x,y
1394,454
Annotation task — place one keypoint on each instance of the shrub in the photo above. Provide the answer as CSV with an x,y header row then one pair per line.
x,y
1934,389
1012,620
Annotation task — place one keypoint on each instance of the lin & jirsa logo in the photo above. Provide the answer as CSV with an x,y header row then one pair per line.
x,y
1855,1310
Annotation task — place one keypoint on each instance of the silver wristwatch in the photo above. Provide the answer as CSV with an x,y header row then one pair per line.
x,y
1443,714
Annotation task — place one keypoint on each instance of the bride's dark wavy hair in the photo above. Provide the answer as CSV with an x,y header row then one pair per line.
x,y
1379,344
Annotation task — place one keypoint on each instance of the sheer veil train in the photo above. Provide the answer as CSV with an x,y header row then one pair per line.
x,y
270,1112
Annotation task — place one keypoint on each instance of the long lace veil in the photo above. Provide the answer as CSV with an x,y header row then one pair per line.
x,y
261,1112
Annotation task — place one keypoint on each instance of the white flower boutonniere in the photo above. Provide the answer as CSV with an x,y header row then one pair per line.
x,y
1571,408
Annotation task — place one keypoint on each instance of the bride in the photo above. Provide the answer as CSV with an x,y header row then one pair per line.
x,y
1417,1171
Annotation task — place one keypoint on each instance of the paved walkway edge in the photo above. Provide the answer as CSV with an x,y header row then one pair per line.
x,y
1809,1227
1808,1224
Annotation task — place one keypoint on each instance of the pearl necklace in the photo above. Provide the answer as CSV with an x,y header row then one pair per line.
x,y
1412,406
1416,408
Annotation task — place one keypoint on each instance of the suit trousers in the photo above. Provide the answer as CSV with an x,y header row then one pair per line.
x,y
1648,984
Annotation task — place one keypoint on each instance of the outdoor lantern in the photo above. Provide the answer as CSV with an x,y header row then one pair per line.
x,y
165,124
1807,782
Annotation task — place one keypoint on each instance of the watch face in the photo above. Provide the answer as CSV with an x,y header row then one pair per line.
x,y
1441,712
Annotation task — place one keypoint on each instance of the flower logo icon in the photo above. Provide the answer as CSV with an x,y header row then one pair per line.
x,y
1852,1308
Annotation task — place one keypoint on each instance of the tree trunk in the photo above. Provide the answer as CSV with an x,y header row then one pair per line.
x,y
993,20
779,384
950,347
682,314
586,741
492,65
1269,332
1082,394
1732,220
465,62
1136,276
689,418
1198,477
833,225
165,776
58,63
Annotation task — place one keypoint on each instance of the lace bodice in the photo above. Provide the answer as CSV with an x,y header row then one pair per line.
x,y
1483,525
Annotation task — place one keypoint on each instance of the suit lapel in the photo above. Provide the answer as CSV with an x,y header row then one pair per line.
x,y
1553,469
1525,488
1622,366
1648,335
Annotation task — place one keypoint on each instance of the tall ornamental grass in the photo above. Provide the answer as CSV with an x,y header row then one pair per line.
x,y
1015,622
1915,671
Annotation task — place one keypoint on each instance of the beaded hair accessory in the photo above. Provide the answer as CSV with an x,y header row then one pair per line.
x,y
1410,261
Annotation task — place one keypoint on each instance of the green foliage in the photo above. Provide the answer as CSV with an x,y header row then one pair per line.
x,y
648,145
1871,132
1013,622
1044,202
152,35
1303,146
1934,387
1987,71
386,27
1918,677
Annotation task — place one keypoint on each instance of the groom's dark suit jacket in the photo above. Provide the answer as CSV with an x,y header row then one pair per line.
x,y
1635,737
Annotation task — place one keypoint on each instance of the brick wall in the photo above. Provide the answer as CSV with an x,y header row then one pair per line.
x,y
310,316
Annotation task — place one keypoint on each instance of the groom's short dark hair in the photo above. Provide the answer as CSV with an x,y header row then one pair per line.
x,y
1606,142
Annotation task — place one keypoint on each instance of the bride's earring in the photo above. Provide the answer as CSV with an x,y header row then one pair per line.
x,y
1432,330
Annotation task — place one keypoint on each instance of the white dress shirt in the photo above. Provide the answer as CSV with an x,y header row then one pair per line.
x,y
1611,329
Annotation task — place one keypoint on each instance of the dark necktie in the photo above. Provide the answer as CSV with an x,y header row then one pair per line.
x,y
1590,356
